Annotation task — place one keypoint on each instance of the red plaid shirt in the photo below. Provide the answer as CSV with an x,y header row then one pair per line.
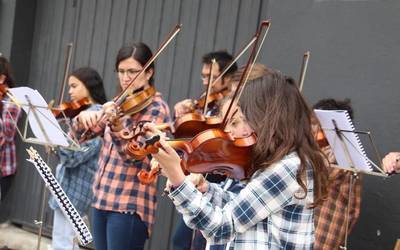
x,y
330,226
9,112
116,186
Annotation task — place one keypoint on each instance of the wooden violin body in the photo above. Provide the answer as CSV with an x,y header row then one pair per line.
x,y
211,151
71,109
191,124
136,102
215,151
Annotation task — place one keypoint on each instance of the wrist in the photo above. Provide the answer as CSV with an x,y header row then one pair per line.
x,y
177,180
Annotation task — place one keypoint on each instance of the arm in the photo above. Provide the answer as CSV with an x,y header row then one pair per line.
x,y
72,159
8,128
90,118
218,196
267,193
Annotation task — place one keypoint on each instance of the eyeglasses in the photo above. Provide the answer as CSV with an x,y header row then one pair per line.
x,y
129,72
207,76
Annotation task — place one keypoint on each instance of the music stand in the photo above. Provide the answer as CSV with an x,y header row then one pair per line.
x,y
348,150
41,120
44,127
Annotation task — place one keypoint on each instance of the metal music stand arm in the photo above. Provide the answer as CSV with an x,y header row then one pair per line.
x,y
355,172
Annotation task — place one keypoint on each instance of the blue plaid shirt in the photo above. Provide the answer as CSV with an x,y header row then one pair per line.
x,y
76,171
265,214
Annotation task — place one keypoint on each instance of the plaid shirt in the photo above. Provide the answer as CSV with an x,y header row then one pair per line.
x,y
116,186
9,112
265,214
75,173
330,216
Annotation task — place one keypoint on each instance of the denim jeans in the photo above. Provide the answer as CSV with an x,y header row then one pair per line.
x,y
115,230
63,233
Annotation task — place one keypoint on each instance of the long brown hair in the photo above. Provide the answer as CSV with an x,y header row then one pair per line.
x,y
281,118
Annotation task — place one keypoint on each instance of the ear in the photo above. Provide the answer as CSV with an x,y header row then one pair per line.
x,y
149,73
2,79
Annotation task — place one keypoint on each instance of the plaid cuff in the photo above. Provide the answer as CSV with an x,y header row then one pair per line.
x,y
184,194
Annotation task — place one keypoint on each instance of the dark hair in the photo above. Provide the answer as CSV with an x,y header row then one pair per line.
x,y
93,82
223,59
332,104
5,69
138,51
281,118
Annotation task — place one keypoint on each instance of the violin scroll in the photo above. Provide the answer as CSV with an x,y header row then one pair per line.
x,y
147,178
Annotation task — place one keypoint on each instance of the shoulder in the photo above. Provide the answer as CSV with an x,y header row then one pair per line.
x,y
159,103
287,166
95,107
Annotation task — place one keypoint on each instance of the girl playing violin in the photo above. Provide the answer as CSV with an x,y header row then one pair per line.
x,y
123,208
76,169
9,113
288,176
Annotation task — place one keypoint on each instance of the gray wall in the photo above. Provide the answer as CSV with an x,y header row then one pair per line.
x,y
354,53
7,10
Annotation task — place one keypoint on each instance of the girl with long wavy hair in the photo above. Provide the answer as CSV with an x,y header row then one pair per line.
x,y
287,179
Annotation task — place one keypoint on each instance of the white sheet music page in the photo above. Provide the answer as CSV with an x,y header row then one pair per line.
x,y
47,119
351,140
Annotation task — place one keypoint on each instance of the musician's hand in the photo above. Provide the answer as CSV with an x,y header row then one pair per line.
x,y
199,181
110,110
88,119
391,162
151,131
183,107
170,163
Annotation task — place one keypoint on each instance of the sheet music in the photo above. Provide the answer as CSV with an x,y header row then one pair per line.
x,y
47,119
352,141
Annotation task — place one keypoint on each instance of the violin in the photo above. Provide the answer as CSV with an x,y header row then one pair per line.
x,y
211,151
137,101
214,97
191,124
71,109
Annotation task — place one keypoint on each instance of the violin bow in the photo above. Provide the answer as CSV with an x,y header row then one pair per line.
x,y
121,97
248,68
208,90
303,71
66,70
241,52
